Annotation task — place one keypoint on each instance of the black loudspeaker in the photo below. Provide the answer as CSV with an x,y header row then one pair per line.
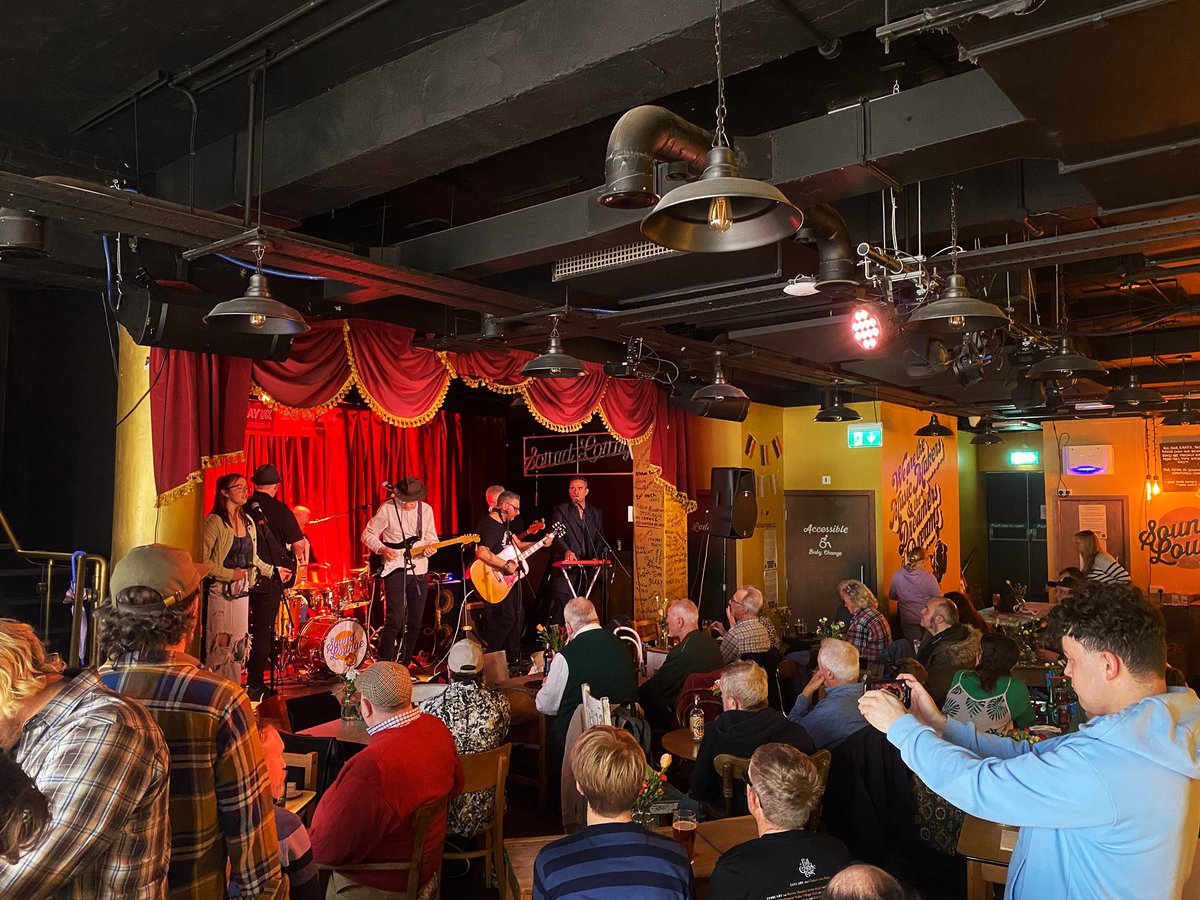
x,y
734,505
162,316
729,410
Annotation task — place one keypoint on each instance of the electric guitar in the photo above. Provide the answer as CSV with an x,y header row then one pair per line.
x,y
381,568
492,584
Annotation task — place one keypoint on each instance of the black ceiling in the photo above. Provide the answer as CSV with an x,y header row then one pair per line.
x,y
470,124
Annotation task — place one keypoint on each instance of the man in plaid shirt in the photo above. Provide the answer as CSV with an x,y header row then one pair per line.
x,y
868,630
221,810
747,632
102,765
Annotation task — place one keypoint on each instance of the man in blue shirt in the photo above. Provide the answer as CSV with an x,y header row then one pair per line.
x,y
612,857
1111,810
836,717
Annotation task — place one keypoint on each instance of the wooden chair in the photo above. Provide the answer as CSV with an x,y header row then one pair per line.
x,y
647,630
988,848
306,764
483,771
732,768
344,887
698,685
634,641
528,729
785,677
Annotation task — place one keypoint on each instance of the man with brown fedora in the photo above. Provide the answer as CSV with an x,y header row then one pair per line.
x,y
401,524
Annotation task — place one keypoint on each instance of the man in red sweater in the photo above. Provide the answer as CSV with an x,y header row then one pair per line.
x,y
366,815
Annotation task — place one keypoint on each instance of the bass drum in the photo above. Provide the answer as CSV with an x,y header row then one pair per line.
x,y
332,645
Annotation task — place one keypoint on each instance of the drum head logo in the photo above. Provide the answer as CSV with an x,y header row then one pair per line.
x,y
345,646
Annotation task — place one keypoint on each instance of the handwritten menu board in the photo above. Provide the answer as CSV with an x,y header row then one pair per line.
x,y
1180,465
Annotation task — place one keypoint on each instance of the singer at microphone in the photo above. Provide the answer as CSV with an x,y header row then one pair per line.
x,y
583,539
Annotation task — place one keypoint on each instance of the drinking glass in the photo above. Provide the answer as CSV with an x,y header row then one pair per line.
x,y
683,829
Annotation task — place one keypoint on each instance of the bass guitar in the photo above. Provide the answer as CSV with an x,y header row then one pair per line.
x,y
492,584
381,568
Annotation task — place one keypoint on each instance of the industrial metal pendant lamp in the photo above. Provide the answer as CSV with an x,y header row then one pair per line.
x,y
835,411
987,436
956,311
1064,363
721,211
1133,394
554,363
1184,414
257,312
934,428
720,389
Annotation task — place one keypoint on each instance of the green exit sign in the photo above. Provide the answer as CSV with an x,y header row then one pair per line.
x,y
864,434
1023,458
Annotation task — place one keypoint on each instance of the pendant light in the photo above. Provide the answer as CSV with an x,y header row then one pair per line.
x,y
934,428
554,363
257,312
721,211
956,311
987,436
1064,363
1183,414
1133,394
835,411
720,390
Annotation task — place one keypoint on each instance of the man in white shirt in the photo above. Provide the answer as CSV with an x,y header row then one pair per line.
x,y
403,519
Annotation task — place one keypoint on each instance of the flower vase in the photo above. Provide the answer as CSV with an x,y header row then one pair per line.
x,y
351,710
645,818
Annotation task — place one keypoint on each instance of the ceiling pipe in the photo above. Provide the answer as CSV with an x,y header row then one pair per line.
x,y
825,227
640,137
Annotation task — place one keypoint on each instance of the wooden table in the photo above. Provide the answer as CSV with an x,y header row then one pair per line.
x,y
679,744
351,732
299,801
988,848
712,839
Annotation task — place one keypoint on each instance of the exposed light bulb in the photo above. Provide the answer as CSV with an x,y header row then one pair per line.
x,y
1156,487
258,321
1149,489
719,216
957,323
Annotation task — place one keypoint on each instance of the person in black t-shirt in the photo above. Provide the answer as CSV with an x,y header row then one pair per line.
x,y
279,539
784,862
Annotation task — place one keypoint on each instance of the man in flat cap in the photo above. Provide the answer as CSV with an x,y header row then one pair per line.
x,y
366,815
208,724
404,519
279,540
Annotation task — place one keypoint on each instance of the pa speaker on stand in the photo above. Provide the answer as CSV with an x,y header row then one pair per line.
x,y
734,504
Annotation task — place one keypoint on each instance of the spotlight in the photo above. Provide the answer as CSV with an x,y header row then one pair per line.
x,y
865,327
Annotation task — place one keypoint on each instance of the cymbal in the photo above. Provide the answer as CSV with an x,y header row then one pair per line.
x,y
359,571
308,586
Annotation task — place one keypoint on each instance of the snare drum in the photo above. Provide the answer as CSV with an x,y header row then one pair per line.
x,y
332,644
344,593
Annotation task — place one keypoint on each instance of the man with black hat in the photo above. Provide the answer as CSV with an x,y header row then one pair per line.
x,y
279,539
403,519
223,839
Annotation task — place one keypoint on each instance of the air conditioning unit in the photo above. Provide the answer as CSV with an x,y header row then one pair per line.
x,y
1088,459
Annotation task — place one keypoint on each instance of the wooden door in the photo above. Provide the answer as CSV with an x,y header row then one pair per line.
x,y
1104,515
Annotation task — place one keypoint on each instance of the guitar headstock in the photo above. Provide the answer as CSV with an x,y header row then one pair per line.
x,y
535,526
468,539
557,530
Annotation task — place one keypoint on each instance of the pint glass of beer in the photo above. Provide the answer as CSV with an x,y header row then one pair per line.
x,y
683,829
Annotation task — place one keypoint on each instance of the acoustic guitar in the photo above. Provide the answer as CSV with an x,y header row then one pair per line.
x,y
492,584
380,568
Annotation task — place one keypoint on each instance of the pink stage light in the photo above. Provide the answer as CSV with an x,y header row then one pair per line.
x,y
865,328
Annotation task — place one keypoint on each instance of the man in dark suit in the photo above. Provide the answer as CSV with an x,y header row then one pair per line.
x,y
584,539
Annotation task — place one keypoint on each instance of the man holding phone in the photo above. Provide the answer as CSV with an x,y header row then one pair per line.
x,y
1106,811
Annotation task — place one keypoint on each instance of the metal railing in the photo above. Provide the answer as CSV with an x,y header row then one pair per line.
x,y
89,583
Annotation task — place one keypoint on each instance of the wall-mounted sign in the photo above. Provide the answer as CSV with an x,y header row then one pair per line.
x,y
916,515
1023,457
864,434
1180,465
590,453
1174,538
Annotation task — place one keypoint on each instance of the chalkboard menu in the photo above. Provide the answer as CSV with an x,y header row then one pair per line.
x,y
1180,465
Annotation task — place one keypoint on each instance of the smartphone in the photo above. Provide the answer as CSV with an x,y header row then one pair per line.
x,y
899,689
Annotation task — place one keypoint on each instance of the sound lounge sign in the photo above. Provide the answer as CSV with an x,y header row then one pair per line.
x,y
1173,539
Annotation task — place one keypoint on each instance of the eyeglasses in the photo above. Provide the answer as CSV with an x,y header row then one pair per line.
x,y
733,602
746,779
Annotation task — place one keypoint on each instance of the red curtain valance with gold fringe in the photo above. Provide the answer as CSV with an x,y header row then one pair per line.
x,y
195,421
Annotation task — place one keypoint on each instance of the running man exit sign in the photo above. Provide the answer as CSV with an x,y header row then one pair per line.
x,y
864,434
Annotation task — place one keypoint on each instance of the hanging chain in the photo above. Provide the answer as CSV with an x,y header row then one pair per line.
x,y
954,228
719,138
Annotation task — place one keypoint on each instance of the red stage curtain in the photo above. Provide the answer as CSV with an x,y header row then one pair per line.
x,y
317,373
198,406
403,386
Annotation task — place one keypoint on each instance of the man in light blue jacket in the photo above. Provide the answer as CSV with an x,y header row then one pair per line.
x,y
1110,811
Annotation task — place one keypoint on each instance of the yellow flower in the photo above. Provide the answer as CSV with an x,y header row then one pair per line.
x,y
664,761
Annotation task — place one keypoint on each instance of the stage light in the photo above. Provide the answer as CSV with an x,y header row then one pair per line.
x,y
865,328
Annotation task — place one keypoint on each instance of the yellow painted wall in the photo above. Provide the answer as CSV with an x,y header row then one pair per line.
x,y
763,425
972,512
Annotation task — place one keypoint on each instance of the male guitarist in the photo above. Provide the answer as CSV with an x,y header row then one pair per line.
x,y
279,541
403,516
501,622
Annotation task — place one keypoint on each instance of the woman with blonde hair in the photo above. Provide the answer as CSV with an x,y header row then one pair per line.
x,y
1096,564
868,630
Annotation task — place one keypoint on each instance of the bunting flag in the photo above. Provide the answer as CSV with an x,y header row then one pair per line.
x,y
762,454
777,446
751,444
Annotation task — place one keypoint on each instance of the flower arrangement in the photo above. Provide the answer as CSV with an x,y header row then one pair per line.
x,y
1027,634
829,629
661,605
653,788
1024,734
350,703
552,637
1018,593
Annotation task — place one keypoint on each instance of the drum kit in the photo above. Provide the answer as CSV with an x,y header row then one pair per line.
x,y
323,624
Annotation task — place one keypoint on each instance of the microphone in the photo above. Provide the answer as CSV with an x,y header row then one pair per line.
x,y
577,503
388,486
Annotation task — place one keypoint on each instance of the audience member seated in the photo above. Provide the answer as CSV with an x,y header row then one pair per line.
x,y
950,646
366,815
592,656
612,857
1097,564
223,838
24,813
1111,810
987,696
1069,579
862,882
836,717
478,718
295,849
967,613
695,652
745,725
868,630
102,765
748,632
782,788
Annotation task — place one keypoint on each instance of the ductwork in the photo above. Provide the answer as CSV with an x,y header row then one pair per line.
x,y
825,227
641,136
